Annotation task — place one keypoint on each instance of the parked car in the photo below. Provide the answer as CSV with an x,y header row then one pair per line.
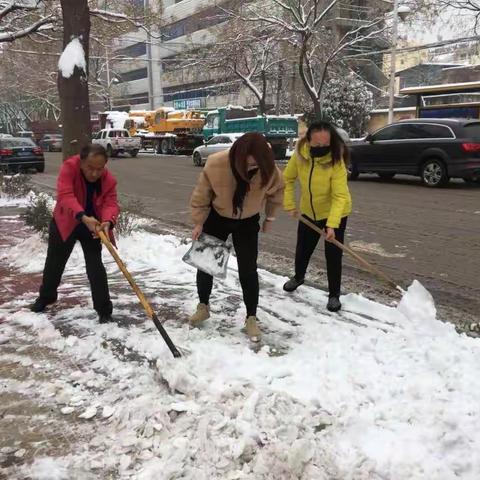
x,y
433,149
117,141
216,144
25,134
17,154
51,142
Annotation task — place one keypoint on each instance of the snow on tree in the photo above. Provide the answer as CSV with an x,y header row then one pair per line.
x,y
49,22
308,26
348,103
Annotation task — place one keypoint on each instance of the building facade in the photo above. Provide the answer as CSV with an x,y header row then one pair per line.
x,y
150,70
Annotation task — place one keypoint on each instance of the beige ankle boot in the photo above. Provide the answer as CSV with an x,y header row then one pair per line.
x,y
253,331
202,314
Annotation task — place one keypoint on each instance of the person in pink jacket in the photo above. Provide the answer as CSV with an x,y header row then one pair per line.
x,y
86,202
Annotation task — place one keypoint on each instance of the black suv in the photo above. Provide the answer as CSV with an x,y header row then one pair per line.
x,y
433,149
17,154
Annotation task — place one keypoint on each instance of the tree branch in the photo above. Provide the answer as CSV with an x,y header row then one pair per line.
x,y
12,36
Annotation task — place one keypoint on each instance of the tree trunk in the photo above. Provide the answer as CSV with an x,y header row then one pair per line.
x,y
263,101
73,91
279,89
309,85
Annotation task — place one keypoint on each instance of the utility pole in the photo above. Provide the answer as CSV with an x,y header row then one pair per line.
x,y
391,90
149,62
107,67
402,13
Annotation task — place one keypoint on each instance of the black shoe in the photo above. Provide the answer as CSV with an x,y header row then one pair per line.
x,y
292,284
105,318
334,304
39,305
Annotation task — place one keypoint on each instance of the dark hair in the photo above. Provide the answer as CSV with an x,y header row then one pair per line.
x,y
256,145
339,149
92,149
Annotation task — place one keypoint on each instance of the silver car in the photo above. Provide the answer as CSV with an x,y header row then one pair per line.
x,y
216,144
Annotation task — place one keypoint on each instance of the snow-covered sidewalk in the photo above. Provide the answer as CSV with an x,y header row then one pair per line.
x,y
377,392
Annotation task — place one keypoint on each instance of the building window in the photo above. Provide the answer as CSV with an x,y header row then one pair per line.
x,y
207,18
200,90
132,75
133,99
135,50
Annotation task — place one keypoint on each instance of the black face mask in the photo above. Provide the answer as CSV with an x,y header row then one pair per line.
x,y
319,151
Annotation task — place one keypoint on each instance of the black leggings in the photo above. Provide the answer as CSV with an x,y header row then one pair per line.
x,y
307,240
59,252
245,241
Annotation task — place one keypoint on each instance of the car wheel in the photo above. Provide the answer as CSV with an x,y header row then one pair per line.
x,y
165,147
353,173
386,175
434,173
134,153
197,159
40,168
110,151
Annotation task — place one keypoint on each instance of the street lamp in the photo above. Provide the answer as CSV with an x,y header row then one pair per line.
x,y
402,12
111,82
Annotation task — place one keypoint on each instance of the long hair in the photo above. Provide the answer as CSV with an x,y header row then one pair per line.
x,y
255,145
339,149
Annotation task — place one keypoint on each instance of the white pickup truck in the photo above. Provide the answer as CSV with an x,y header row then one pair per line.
x,y
117,140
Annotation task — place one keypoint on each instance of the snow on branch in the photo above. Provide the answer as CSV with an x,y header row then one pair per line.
x,y
12,6
115,17
10,36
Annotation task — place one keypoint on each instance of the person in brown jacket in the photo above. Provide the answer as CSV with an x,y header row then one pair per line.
x,y
233,188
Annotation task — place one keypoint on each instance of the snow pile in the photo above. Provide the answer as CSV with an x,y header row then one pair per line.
x,y
374,392
73,56
116,119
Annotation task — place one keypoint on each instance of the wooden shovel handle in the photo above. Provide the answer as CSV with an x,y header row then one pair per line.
x,y
146,305
360,260
124,270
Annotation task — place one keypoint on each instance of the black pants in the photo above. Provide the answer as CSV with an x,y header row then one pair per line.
x,y
307,240
245,241
58,254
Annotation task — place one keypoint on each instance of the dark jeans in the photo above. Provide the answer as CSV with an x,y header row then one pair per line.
x,y
58,254
245,241
307,240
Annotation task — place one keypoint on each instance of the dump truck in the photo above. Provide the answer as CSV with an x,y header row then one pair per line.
x,y
278,129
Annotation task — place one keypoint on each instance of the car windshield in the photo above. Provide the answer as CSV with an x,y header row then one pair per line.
x,y
16,142
473,130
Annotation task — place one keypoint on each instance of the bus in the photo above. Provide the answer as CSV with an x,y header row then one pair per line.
x,y
453,100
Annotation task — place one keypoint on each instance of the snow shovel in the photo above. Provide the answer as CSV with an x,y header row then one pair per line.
x,y
361,261
210,255
146,305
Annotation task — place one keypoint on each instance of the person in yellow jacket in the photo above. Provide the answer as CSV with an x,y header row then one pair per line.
x,y
319,165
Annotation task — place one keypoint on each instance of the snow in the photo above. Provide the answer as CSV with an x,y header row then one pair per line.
x,y
6,201
374,248
116,120
73,56
375,392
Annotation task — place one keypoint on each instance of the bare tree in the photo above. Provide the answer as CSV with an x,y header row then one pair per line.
x,y
308,26
70,21
251,52
19,19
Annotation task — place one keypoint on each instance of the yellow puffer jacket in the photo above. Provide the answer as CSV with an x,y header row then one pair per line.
x,y
324,188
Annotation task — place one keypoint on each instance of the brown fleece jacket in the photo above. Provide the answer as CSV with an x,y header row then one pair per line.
x,y
216,186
